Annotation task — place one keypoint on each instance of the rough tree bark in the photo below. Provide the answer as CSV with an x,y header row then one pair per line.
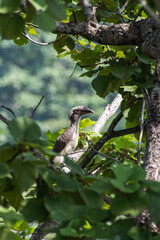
x,y
152,155
145,33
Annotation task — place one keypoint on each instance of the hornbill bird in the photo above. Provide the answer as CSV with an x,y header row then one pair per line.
x,y
68,139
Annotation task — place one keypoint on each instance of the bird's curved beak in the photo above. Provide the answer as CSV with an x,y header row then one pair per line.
x,y
86,110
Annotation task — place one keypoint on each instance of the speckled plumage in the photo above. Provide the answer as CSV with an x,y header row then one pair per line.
x,y
68,140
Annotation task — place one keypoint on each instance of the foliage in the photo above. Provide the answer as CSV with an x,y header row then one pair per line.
x,y
103,200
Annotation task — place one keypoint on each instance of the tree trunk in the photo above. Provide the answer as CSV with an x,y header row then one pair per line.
x,y
152,155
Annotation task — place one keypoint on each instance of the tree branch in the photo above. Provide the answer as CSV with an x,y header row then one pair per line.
x,y
40,232
34,110
110,133
38,43
110,109
4,119
118,34
10,110
104,117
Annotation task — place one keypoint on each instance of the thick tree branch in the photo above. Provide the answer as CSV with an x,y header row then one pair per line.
x,y
110,133
145,33
120,34
110,109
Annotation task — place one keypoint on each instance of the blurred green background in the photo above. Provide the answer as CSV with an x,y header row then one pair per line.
x,y
31,71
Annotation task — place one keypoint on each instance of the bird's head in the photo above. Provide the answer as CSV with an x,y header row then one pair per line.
x,y
76,112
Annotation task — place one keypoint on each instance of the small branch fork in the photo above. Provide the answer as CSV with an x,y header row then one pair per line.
x,y
120,10
110,133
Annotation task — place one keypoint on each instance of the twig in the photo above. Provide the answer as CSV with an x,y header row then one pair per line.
x,y
124,5
86,8
92,65
10,110
38,43
74,15
138,14
32,24
38,154
34,110
119,11
141,134
4,119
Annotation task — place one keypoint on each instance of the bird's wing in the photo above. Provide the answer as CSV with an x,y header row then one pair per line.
x,y
62,140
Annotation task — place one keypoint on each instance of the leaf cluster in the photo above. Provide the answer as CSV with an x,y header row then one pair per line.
x,y
86,203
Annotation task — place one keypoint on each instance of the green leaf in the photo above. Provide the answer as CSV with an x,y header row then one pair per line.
x,y
56,9
153,185
45,21
129,88
103,85
39,4
121,227
6,234
95,215
71,232
23,128
91,198
101,186
21,226
66,182
86,122
130,187
8,6
7,151
4,170
122,173
11,25
124,72
125,142
10,217
137,233
58,207
89,73
33,210
13,194
75,168
25,173
154,205
145,59
131,204
20,40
